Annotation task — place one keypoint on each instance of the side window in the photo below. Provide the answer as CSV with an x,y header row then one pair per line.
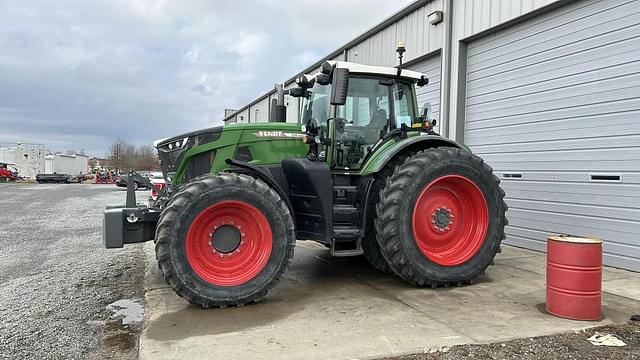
x,y
363,116
402,106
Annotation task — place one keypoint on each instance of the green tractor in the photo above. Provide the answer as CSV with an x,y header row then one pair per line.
x,y
364,173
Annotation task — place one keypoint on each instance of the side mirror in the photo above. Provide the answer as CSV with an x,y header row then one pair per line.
x,y
422,81
427,115
340,82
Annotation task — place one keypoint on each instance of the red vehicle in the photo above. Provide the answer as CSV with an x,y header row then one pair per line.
x,y
8,171
158,182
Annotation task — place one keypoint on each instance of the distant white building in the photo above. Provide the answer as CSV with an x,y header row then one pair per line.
x,y
28,158
66,164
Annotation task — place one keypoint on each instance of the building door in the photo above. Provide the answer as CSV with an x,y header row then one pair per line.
x,y
553,105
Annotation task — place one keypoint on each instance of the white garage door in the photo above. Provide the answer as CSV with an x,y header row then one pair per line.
x,y
553,104
430,92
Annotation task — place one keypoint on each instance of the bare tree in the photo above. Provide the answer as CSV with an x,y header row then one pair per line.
x,y
124,156
130,157
118,155
147,159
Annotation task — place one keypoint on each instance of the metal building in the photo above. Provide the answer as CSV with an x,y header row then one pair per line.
x,y
66,164
546,91
28,158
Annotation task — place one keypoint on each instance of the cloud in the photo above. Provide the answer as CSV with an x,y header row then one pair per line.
x,y
76,74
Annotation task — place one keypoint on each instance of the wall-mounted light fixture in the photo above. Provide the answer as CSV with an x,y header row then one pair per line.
x,y
435,17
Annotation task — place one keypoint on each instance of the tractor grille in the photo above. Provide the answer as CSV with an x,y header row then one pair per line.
x,y
279,176
200,164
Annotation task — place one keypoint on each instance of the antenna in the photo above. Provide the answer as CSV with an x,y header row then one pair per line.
x,y
400,49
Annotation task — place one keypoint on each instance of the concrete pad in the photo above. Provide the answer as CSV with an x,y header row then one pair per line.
x,y
340,308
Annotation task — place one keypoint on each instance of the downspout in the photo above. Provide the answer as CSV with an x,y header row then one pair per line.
x,y
445,107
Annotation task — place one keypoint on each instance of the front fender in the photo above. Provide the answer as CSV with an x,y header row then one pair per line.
x,y
393,147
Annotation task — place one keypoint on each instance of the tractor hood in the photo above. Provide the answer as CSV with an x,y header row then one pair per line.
x,y
173,151
170,150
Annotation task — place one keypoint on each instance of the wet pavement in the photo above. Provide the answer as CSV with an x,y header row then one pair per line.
x,y
56,280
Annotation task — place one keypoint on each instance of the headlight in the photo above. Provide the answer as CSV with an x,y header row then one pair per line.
x,y
174,145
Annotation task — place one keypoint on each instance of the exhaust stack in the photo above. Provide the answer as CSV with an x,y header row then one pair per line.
x,y
278,109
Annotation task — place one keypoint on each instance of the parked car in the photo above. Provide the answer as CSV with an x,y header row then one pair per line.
x,y
53,178
139,181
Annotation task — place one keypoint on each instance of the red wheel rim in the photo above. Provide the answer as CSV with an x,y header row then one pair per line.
x,y
244,262
450,220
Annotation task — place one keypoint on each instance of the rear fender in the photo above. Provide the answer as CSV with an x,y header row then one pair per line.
x,y
392,148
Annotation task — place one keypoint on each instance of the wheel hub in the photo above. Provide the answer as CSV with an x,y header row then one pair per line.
x,y
226,239
450,220
229,243
442,219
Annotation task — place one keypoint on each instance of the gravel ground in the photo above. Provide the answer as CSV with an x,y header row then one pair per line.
x,y
58,287
564,346
56,279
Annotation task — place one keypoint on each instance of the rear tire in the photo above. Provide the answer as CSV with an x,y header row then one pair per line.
x,y
224,240
440,218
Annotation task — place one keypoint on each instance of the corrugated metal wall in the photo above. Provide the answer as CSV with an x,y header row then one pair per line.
x,y
419,37
243,116
430,66
260,111
478,15
293,105
553,104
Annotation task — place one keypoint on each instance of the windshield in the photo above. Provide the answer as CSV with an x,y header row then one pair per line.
x,y
315,108
373,108
315,112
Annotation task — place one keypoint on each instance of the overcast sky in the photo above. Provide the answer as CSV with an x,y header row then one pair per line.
x,y
77,74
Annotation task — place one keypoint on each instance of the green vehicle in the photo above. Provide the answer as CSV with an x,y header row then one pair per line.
x,y
364,174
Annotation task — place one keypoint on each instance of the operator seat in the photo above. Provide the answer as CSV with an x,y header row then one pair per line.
x,y
378,126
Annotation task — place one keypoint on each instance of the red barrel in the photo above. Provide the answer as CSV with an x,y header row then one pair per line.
x,y
574,277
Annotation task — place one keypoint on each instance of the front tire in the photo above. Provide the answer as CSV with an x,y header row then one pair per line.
x,y
440,218
224,240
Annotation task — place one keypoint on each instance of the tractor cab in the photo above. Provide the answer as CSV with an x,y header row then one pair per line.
x,y
367,104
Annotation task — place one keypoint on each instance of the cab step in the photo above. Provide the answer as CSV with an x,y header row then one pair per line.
x,y
345,214
346,241
347,233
